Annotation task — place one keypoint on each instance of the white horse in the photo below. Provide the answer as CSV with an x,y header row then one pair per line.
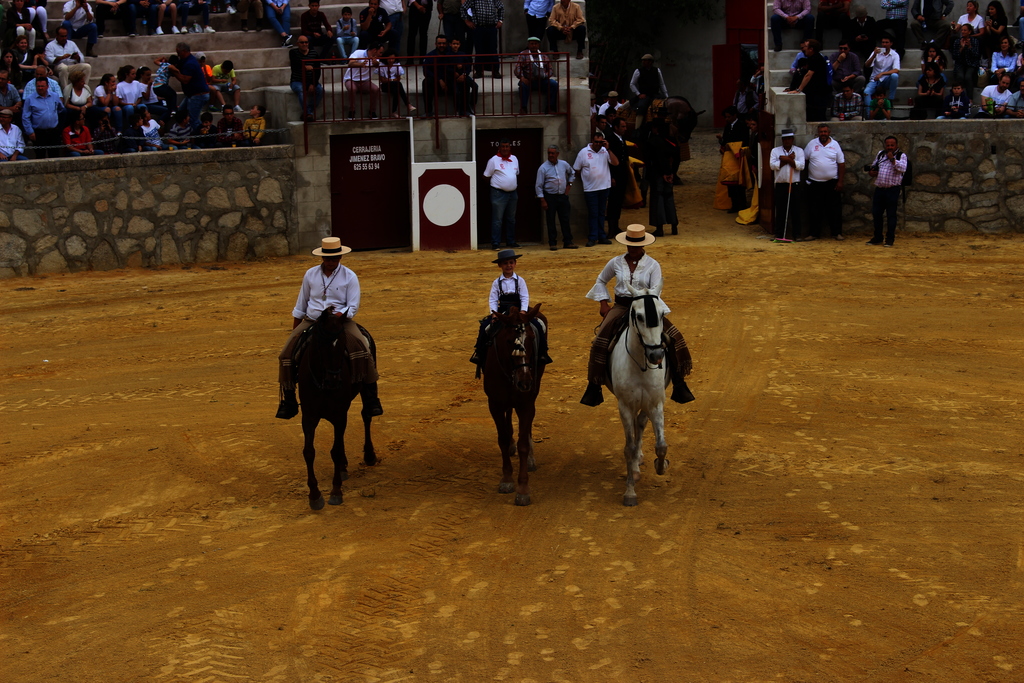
x,y
638,375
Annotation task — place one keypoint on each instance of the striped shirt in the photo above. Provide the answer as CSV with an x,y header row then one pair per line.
x,y
890,171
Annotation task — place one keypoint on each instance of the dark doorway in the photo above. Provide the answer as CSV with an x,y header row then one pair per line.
x,y
528,147
370,193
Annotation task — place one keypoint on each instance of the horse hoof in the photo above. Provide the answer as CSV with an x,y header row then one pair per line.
x,y
317,504
629,501
369,459
522,499
333,500
506,487
661,465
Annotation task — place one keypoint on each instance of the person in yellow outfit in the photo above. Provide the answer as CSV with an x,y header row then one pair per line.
x,y
252,129
732,177
752,213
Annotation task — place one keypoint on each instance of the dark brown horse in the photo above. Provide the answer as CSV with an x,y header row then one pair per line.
x,y
326,392
512,377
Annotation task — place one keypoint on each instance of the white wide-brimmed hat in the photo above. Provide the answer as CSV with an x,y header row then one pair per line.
x,y
635,235
331,246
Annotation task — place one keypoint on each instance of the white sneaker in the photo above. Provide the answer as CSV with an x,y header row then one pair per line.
x,y
231,9
175,29
209,29
238,109
159,31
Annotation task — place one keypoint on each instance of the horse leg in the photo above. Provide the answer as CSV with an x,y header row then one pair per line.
x,y
525,447
641,424
338,456
660,445
369,455
629,451
503,422
309,424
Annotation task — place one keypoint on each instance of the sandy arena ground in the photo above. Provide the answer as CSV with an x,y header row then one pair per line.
x,y
845,500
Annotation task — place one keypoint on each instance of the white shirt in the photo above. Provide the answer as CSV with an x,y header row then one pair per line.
x,y
603,109
646,275
978,22
391,72
885,62
502,173
361,72
342,292
507,285
80,18
11,141
129,92
790,174
392,6
55,49
992,92
594,169
823,160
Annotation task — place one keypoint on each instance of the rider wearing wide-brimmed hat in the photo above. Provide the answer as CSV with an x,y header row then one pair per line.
x,y
325,285
638,270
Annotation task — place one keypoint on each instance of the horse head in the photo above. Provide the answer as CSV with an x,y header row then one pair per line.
x,y
514,347
329,324
646,315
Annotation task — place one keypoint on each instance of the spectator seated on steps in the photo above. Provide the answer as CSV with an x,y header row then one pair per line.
x,y
224,80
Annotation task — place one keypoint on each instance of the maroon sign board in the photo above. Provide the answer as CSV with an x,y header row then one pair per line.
x,y
370,204
445,208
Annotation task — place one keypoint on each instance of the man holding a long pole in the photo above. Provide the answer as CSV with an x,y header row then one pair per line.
x,y
787,160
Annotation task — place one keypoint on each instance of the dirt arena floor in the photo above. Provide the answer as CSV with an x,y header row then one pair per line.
x,y
845,500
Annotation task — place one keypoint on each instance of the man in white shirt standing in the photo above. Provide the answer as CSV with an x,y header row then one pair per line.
x,y
64,54
826,167
358,78
325,285
885,70
594,163
80,22
503,172
396,13
787,160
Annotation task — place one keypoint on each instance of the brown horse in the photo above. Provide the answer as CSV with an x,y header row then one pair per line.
x,y
326,392
512,377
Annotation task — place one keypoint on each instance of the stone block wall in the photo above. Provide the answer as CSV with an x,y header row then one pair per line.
x,y
147,209
968,174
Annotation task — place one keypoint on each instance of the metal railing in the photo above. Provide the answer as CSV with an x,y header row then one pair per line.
x,y
454,86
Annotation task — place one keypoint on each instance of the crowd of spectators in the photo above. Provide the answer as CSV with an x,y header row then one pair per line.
x,y
859,80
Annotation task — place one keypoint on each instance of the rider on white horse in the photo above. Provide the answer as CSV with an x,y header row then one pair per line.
x,y
637,270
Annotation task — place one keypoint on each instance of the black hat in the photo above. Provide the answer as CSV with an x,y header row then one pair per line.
x,y
506,254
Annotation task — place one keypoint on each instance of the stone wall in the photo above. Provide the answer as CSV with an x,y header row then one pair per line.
x,y
968,174
148,209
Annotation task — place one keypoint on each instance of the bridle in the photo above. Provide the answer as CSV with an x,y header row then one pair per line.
x,y
652,318
519,357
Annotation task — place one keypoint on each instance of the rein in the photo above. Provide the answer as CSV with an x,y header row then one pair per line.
x,y
519,357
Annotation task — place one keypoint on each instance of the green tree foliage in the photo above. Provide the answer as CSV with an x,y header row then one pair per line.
x,y
622,30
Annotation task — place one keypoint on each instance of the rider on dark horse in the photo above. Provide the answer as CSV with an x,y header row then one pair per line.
x,y
329,284
507,291
634,268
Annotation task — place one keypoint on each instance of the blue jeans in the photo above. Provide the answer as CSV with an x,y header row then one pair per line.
x,y
195,105
284,24
503,212
550,96
885,201
887,82
195,8
88,32
397,29
347,45
306,109
597,203
75,153
806,24
18,157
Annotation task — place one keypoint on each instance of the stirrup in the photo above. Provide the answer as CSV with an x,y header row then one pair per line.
x,y
288,408
593,396
681,393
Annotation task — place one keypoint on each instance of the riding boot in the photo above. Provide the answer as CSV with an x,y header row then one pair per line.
x,y
658,232
675,228
371,403
680,392
593,396
289,406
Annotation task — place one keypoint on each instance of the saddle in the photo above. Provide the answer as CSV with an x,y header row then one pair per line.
x,y
302,343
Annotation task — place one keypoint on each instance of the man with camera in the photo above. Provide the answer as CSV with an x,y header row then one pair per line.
x,y
80,22
887,169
